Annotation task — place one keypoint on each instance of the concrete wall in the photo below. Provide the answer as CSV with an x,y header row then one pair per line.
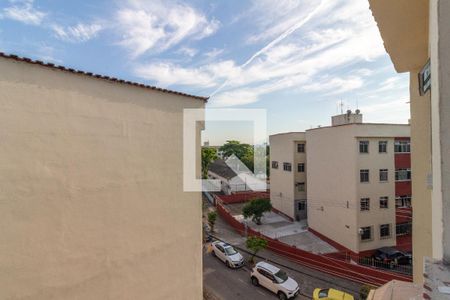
x,y
283,148
91,200
332,166
334,190
421,172
374,189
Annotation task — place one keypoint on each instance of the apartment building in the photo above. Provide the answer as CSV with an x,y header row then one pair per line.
x,y
416,37
288,174
355,174
91,201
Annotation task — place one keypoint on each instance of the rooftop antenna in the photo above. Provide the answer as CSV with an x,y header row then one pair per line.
x,y
342,107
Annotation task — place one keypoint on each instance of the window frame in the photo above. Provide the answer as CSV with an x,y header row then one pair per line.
x,y
274,164
402,146
382,237
382,171
361,171
364,145
382,145
382,199
407,172
366,206
370,234
299,184
287,167
301,167
301,148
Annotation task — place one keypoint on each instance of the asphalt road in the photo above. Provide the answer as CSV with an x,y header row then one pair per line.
x,y
235,284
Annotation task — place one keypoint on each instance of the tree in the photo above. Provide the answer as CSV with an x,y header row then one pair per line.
x,y
242,151
212,217
255,209
208,156
255,244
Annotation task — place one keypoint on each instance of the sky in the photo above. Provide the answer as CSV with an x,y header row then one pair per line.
x,y
298,59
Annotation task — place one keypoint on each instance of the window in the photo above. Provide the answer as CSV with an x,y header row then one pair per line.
x,y
402,147
403,201
323,293
364,204
382,147
287,167
274,164
384,202
301,167
301,186
364,175
301,205
402,174
366,233
384,175
301,148
363,146
385,231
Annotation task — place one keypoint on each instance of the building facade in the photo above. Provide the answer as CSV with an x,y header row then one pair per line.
x,y
92,203
356,175
417,38
288,174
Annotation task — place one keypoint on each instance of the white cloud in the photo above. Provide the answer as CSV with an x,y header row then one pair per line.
x,y
191,52
78,33
159,25
23,11
168,73
214,53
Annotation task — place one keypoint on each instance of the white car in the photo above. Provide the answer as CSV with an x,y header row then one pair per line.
x,y
227,254
275,280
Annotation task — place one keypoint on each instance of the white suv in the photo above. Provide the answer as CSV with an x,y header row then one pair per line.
x,y
275,280
227,254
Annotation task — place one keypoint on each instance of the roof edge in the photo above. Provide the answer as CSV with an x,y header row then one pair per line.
x,y
98,76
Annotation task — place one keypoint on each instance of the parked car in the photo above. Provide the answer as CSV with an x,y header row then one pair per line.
x,y
331,294
227,254
391,256
275,280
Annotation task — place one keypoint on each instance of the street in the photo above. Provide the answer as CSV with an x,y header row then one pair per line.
x,y
235,284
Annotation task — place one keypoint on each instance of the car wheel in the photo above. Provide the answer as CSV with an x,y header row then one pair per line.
x,y
255,281
282,296
227,264
213,253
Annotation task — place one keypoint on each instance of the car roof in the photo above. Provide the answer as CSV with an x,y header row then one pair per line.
x,y
389,250
268,267
337,294
223,244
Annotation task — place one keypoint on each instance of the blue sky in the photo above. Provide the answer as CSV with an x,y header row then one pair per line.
x,y
297,59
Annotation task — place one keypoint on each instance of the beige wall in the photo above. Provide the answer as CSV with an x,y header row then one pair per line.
x,y
334,162
91,204
420,171
283,148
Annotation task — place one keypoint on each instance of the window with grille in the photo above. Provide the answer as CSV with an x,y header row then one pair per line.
x,y
364,204
301,148
402,147
301,167
274,164
402,174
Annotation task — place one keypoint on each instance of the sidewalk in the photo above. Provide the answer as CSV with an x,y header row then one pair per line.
x,y
278,227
